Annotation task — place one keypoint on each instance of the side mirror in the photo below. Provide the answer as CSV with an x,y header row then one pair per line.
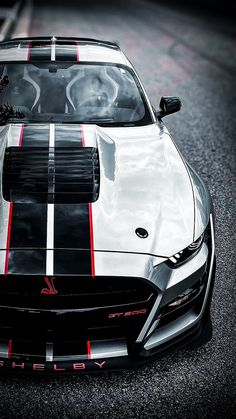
x,y
168,105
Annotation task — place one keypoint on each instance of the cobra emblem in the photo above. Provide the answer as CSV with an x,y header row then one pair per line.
x,y
50,290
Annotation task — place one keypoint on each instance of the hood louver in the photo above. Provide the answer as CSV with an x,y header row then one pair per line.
x,y
51,175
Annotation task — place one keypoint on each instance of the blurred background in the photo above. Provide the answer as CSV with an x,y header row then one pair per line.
x,y
188,49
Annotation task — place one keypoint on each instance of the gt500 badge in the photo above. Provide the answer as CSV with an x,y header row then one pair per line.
x,y
127,313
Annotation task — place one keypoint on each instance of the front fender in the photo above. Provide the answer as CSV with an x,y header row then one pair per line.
x,y
202,202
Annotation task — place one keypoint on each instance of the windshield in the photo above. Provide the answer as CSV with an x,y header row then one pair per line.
x,y
86,93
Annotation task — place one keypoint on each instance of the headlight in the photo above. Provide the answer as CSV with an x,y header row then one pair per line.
x,y
187,253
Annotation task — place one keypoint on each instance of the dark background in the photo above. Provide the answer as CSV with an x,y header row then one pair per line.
x,y
214,7
185,49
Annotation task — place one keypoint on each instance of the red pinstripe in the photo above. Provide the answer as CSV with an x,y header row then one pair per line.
x,y
21,135
91,240
29,51
89,349
82,135
8,238
9,349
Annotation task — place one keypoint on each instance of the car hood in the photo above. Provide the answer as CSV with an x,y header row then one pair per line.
x,y
144,184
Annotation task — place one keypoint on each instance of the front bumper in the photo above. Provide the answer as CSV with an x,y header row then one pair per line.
x,y
164,328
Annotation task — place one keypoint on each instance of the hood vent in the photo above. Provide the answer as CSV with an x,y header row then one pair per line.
x,y
51,175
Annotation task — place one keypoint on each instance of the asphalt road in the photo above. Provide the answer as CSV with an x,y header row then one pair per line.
x,y
193,56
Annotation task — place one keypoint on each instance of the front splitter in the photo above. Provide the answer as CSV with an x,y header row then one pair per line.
x,y
194,337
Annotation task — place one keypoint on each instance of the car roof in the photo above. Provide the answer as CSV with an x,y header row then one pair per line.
x,y
61,49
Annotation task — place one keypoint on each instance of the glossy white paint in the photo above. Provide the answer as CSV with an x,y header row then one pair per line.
x,y
99,53
203,203
14,54
125,264
144,183
108,349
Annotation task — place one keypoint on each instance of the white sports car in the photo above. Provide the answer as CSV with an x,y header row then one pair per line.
x,y
106,232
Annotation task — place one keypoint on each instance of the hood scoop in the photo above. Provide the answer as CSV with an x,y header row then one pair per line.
x,y
51,175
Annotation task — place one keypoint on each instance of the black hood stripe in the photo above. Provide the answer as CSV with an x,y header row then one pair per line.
x,y
72,230
28,226
27,262
36,136
66,52
39,51
71,138
28,232
28,239
28,221
56,51
72,221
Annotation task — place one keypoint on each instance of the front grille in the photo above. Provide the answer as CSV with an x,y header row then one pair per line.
x,y
84,308
51,175
73,292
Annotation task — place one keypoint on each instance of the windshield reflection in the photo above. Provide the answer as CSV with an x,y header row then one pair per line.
x,y
88,93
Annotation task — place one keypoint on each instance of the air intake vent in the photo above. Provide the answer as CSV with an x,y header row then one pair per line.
x,y
51,175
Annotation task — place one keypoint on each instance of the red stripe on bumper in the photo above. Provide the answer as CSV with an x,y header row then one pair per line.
x,y
89,349
29,51
91,240
8,238
9,349
21,135
82,135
